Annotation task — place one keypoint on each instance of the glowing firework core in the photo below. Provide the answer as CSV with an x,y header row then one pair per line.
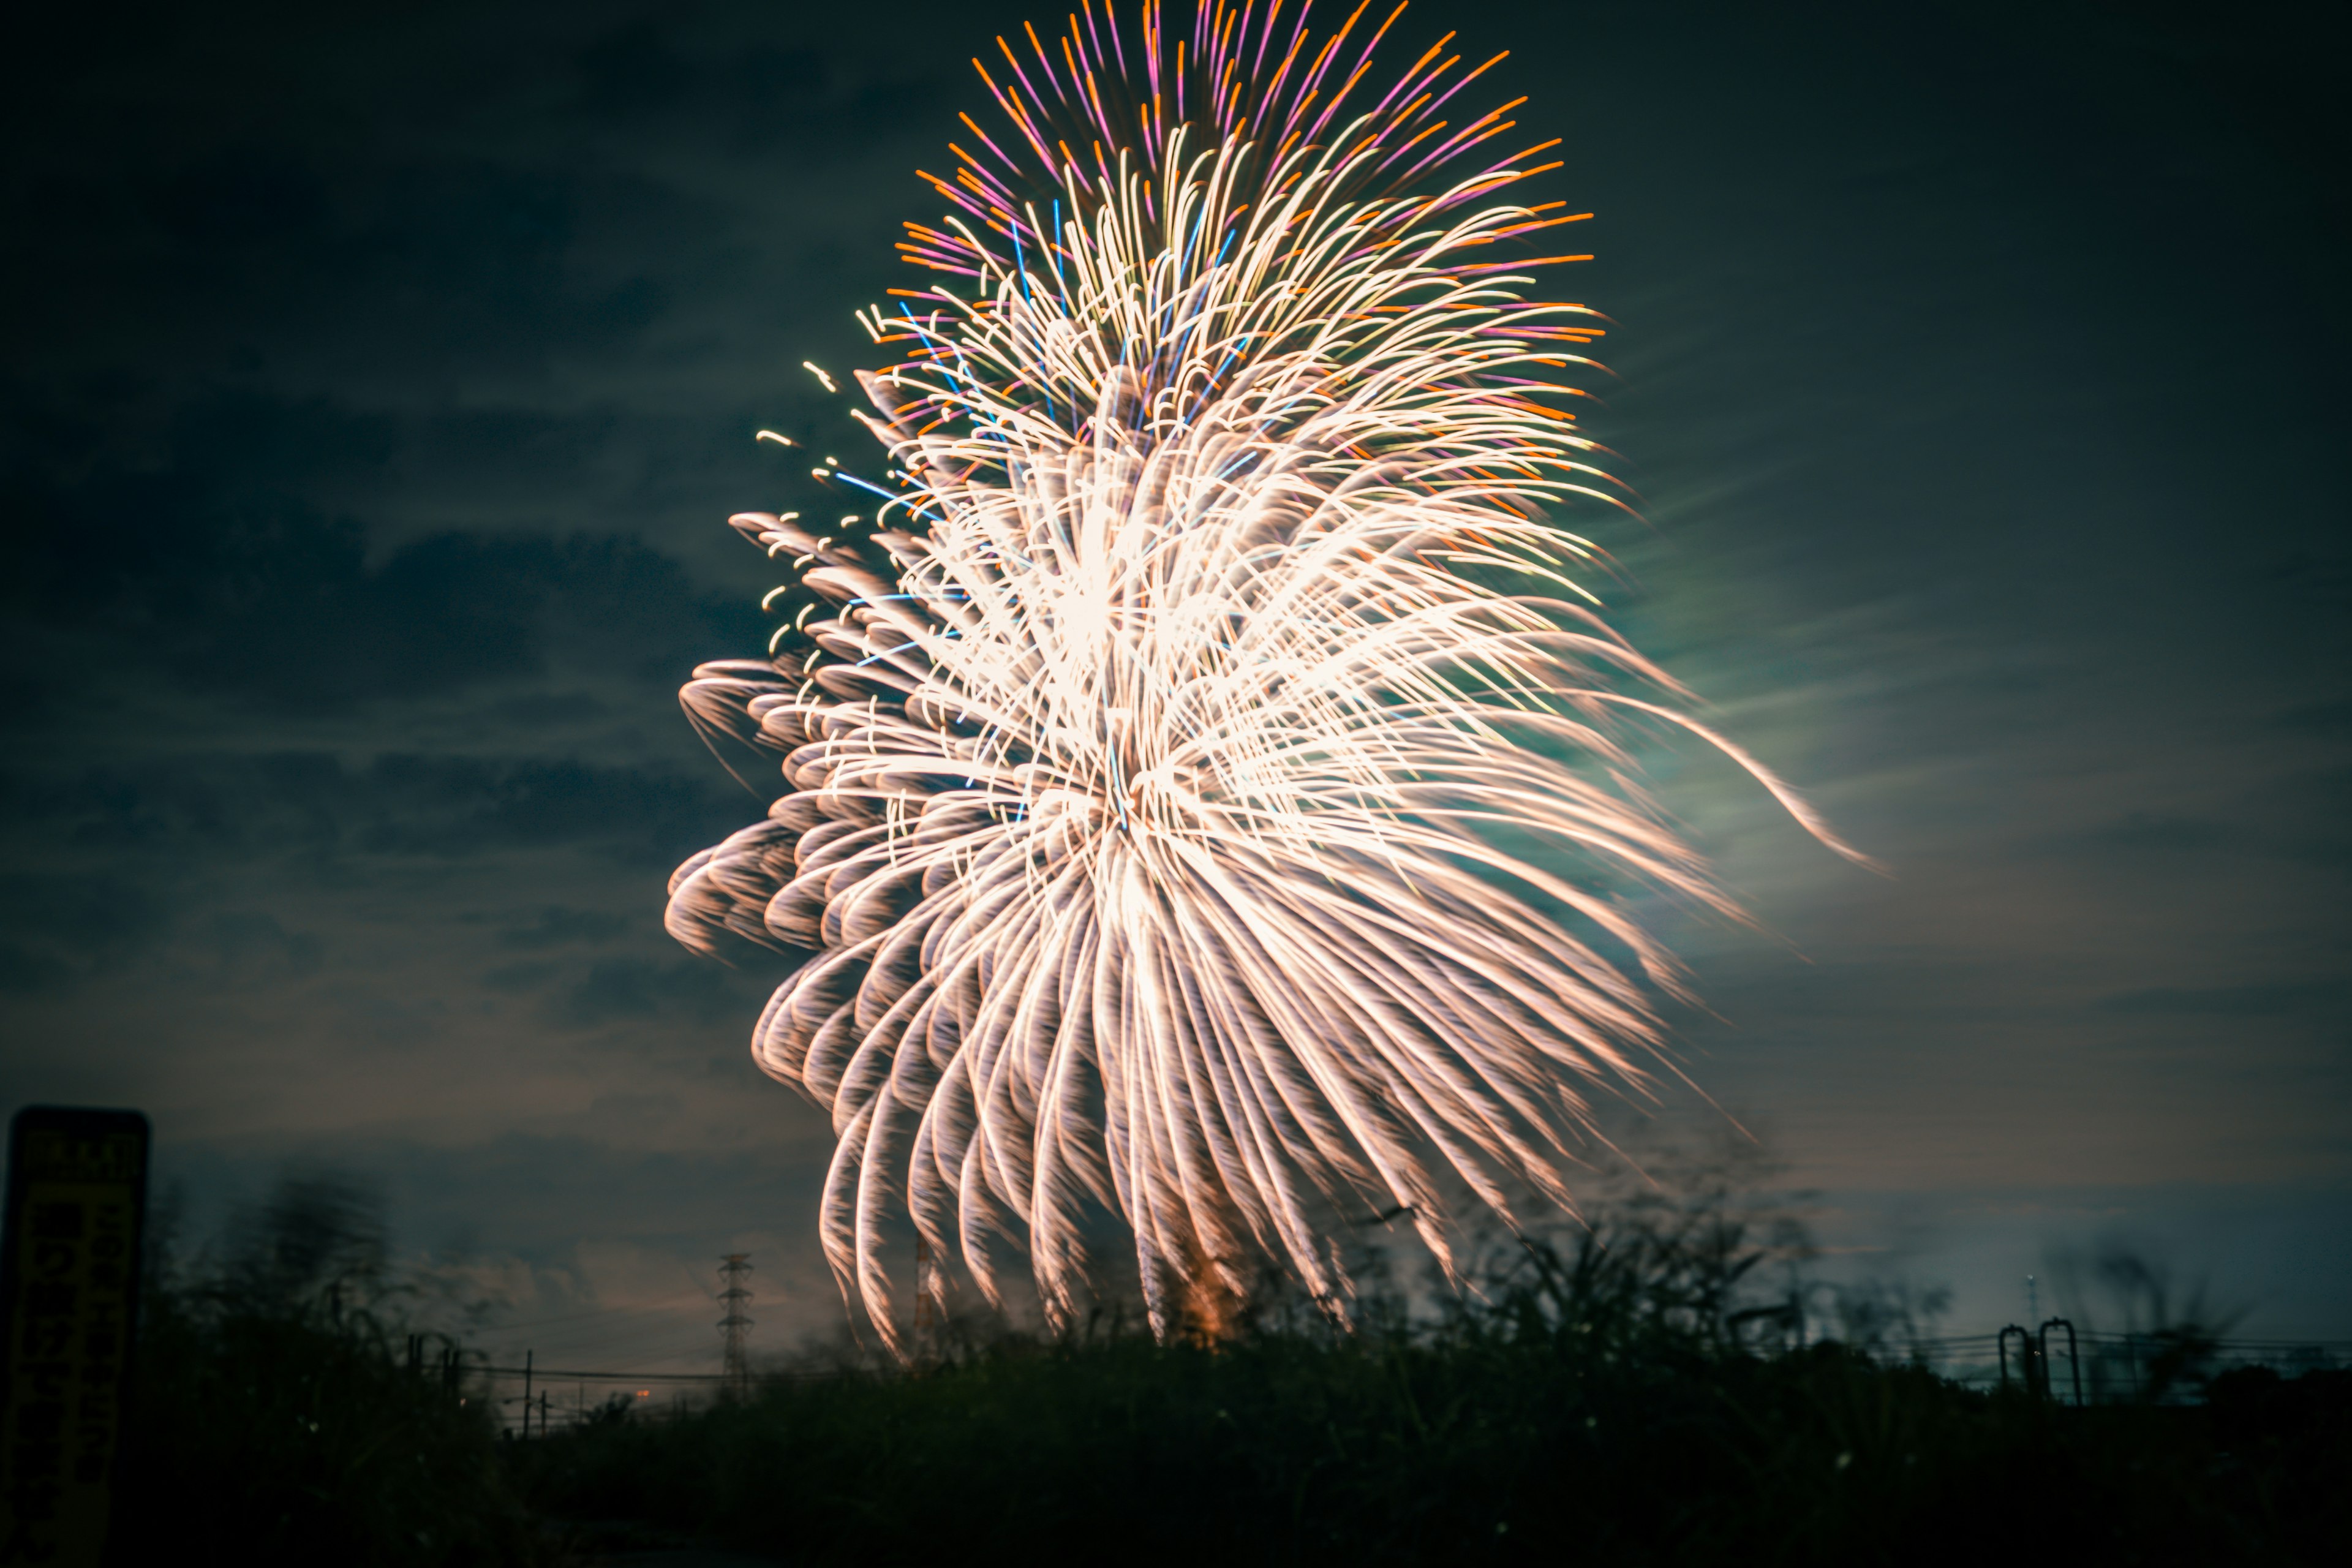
x,y
1143,807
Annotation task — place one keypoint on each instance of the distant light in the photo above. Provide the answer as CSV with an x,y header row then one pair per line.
x,y
644,1394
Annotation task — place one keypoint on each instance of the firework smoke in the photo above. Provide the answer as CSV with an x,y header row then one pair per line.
x,y
1149,762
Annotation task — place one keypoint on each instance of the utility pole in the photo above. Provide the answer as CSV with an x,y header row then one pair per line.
x,y
733,1269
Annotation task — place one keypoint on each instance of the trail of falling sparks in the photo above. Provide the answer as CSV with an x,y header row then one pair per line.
x,y
1149,761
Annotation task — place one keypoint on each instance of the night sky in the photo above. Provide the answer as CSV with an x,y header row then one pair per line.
x,y
378,379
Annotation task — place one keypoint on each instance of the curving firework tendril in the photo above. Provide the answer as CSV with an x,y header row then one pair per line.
x,y
1148,802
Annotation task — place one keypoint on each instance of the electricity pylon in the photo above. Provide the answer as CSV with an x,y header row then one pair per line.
x,y
733,1269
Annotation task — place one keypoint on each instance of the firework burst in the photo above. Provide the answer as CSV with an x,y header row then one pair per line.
x,y
1154,762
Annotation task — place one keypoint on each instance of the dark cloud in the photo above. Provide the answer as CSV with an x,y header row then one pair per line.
x,y
751,93
252,947
201,583
438,806
234,201
406,1021
623,989
2283,818
543,1181
397,804
557,926
2321,718
512,978
633,71
2291,998
2145,830
265,243
629,989
59,930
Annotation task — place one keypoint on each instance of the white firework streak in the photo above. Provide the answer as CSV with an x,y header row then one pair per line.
x,y
1147,817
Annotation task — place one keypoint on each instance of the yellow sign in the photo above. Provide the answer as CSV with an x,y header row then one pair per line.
x,y
69,1296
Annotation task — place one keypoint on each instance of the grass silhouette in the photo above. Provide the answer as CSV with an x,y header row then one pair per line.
x,y
1627,1393
1624,1395
275,1417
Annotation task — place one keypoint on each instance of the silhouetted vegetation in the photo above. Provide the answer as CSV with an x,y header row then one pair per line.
x,y
1631,1395
1623,1396
276,1417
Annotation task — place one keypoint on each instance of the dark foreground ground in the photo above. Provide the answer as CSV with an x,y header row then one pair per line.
x,y
1618,1403
1277,1451
1609,1405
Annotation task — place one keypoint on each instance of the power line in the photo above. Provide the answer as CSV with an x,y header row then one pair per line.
x,y
576,1375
